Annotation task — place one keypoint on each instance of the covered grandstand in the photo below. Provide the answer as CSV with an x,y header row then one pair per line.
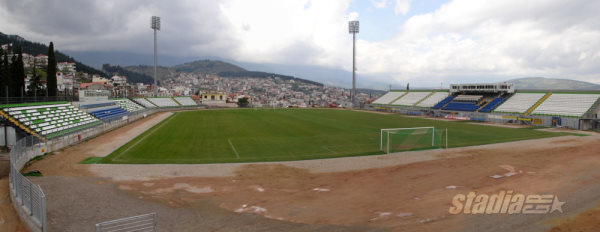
x,y
499,102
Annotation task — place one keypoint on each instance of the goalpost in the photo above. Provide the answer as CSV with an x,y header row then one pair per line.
x,y
416,138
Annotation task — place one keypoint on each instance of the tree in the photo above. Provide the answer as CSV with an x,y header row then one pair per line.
x,y
3,72
35,88
12,84
243,102
7,75
51,72
19,74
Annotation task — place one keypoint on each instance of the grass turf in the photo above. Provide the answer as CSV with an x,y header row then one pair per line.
x,y
247,135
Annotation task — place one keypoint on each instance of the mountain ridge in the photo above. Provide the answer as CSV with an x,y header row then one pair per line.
x,y
543,83
35,48
207,66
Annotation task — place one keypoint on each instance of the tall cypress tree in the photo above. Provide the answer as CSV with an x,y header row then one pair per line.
x,y
7,75
12,84
20,73
2,73
51,71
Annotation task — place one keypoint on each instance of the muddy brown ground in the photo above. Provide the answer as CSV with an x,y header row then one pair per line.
x,y
371,193
9,220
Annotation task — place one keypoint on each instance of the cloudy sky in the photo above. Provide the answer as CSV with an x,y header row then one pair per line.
x,y
418,41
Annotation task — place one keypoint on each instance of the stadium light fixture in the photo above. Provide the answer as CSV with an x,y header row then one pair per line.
x,y
353,27
155,25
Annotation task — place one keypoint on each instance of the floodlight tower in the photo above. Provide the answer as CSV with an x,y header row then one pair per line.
x,y
155,26
353,29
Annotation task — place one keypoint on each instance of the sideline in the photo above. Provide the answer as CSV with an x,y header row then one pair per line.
x,y
142,139
232,147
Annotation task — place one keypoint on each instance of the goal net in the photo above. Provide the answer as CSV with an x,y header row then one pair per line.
x,y
409,139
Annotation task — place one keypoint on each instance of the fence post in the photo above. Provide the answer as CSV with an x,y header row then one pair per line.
x,y
43,213
30,199
154,222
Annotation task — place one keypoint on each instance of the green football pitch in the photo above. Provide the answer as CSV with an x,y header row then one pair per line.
x,y
248,135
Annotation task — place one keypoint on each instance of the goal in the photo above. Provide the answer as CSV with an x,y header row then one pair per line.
x,y
410,139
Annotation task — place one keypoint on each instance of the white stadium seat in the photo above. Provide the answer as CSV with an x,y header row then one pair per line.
x,y
51,120
567,104
520,102
144,102
163,101
433,99
411,98
185,101
128,105
388,98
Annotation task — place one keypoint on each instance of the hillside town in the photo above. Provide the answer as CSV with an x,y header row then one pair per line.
x,y
272,91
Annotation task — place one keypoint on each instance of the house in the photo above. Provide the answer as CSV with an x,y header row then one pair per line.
x,y
119,80
94,86
41,59
99,79
67,67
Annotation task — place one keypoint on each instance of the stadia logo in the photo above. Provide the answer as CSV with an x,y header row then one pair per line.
x,y
505,202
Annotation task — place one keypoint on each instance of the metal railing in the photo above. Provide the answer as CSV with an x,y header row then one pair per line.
x,y
28,198
144,222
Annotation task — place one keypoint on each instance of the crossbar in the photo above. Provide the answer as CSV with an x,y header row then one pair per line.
x,y
397,129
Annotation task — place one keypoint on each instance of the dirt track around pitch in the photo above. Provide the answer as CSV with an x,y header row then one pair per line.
x,y
405,191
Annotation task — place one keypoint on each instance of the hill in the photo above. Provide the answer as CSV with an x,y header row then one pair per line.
x,y
215,67
535,83
35,48
207,66
132,77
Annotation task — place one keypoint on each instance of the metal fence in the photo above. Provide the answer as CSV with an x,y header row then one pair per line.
x,y
145,222
28,198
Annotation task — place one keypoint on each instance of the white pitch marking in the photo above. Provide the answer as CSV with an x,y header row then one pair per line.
x,y
332,151
233,148
142,139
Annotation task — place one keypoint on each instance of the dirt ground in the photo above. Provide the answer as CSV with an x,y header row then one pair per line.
x,y
409,191
9,220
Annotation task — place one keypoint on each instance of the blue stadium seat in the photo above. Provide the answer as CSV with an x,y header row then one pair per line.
x,y
443,102
462,106
109,114
492,105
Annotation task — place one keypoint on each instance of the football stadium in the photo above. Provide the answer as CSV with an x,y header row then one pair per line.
x,y
396,165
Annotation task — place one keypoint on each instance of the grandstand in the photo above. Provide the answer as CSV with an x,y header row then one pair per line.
x,y
411,98
163,101
488,107
185,101
442,103
109,113
144,102
105,111
433,99
520,102
500,102
388,98
562,104
128,105
49,119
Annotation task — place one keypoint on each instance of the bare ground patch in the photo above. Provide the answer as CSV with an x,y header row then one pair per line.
x,y
401,192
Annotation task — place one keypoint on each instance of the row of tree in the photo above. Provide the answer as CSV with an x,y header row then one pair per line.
x,y
12,75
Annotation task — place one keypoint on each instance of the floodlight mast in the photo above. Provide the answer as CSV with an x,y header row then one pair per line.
x,y
353,29
155,26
